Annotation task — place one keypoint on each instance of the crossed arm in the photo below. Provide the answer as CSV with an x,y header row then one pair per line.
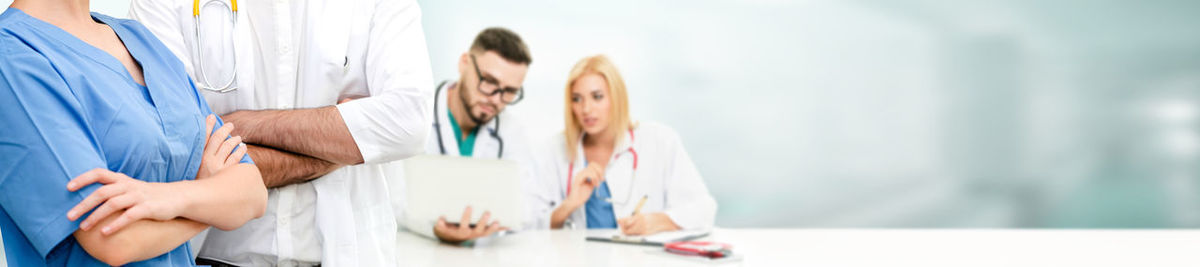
x,y
149,227
143,220
280,168
294,146
133,220
140,240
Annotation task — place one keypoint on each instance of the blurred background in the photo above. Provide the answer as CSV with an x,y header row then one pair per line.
x,y
914,113
917,113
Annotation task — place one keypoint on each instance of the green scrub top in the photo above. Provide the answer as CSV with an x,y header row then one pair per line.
x,y
466,146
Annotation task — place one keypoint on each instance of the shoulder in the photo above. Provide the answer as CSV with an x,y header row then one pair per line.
x,y
660,133
11,18
551,154
11,45
511,124
173,5
142,35
553,144
8,19
138,31
20,57
654,136
170,12
129,25
550,147
13,30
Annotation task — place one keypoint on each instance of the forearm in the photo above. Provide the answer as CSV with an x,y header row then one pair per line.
x,y
140,240
662,223
560,214
317,132
280,168
226,200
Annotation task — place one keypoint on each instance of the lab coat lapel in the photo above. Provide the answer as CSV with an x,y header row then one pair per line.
x,y
486,145
580,159
578,218
243,49
324,64
619,175
445,128
333,28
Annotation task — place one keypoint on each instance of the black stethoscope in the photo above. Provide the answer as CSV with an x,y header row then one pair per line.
x,y
437,126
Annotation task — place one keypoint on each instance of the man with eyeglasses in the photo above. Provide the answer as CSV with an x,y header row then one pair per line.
x,y
467,118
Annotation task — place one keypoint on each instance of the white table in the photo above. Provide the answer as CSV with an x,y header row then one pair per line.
x,y
836,247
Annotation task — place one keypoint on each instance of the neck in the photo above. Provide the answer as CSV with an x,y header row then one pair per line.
x,y
605,139
458,109
57,12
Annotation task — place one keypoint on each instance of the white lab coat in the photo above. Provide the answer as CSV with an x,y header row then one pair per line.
x,y
516,148
305,54
665,174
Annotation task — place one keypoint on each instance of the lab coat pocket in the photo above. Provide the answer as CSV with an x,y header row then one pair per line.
x,y
331,40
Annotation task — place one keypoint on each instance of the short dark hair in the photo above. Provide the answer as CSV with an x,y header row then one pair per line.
x,y
503,42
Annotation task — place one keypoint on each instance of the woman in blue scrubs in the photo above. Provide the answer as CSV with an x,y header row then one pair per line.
x,y
108,154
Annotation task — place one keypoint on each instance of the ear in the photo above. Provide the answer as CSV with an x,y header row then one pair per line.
x,y
464,62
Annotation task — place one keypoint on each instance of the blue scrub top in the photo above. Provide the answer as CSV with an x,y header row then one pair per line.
x,y
67,107
598,210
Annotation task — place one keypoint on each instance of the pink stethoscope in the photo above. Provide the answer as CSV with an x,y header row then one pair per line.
x,y
571,168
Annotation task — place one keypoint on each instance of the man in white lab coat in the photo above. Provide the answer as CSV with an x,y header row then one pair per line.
x,y
276,69
467,117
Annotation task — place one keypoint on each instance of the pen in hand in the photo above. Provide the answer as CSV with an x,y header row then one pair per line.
x,y
641,203
636,210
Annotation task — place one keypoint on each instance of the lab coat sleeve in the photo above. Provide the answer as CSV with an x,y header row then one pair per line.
x,y
543,184
536,204
689,203
394,121
397,187
164,19
518,148
417,227
46,141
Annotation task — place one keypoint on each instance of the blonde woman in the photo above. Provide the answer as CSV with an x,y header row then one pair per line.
x,y
598,173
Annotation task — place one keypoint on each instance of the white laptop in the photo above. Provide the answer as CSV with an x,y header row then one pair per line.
x,y
443,185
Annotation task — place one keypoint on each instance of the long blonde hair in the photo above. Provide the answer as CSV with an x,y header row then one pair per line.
x,y
619,111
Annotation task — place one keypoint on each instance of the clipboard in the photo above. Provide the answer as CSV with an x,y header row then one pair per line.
x,y
658,239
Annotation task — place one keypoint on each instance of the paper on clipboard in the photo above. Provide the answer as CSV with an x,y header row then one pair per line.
x,y
654,240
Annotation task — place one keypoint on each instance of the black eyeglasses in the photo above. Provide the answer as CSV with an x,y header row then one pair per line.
x,y
490,87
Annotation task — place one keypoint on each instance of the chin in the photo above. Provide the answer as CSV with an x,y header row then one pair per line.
x,y
594,130
484,117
